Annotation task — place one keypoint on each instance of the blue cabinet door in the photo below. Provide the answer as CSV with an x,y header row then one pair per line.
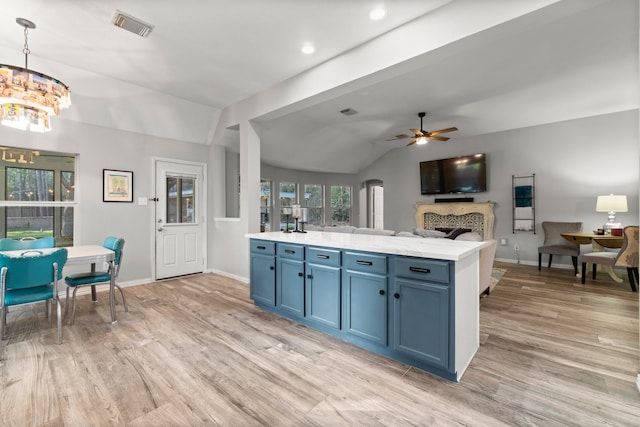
x,y
263,279
290,286
421,321
365,308
323,295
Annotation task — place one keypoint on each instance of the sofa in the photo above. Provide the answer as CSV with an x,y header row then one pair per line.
x,y
487,254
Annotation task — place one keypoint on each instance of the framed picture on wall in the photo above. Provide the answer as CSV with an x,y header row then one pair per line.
x,y
117,186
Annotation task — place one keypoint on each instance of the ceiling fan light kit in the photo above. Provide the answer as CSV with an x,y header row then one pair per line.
x,y
421,136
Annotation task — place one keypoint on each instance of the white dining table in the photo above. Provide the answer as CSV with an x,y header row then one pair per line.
x,y
83,254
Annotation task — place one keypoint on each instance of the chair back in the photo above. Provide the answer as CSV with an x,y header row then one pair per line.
x,y
31,270
116,245
553,229
8,244
628,255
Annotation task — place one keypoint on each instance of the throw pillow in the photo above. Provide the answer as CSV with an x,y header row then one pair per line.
x,y
470,236
456,232
428,233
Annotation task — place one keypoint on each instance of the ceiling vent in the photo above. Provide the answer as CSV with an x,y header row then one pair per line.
x,y
132,24
348,111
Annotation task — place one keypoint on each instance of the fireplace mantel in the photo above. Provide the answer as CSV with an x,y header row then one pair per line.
x,y
478,217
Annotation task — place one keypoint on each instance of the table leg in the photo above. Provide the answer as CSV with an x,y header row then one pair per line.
x,y
112,293
607,268
94,296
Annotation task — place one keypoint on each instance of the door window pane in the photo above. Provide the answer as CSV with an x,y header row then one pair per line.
x,y
181,201
340,204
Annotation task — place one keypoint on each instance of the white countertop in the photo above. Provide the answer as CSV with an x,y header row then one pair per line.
x,y
438,248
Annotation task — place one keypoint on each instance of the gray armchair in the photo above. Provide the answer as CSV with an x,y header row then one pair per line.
x,y
555,244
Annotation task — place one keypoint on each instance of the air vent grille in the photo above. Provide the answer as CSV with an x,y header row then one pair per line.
x,y
348,111
132,24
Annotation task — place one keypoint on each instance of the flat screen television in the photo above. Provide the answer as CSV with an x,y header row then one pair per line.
x,y
464,174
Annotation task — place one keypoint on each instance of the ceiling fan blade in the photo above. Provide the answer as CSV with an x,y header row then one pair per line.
x,y
436,132
418,132
439,138
402,136
412,142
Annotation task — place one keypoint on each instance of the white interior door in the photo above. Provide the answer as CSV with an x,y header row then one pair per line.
x,y
179,220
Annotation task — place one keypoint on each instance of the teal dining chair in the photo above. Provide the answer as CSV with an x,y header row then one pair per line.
x,y
94,278
8,244
31,277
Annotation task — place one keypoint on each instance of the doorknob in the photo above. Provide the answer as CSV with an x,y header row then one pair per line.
x,y
160,229
160,221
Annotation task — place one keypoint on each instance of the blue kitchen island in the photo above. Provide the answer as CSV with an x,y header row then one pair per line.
x,y
411,299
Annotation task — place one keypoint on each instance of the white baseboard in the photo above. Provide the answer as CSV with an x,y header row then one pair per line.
x,y
534,263
101,288
229,275
62,292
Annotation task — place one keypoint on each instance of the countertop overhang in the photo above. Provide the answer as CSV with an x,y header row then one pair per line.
x,y
423,247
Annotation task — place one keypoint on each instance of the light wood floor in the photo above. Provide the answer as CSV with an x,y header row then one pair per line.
x,y
196,351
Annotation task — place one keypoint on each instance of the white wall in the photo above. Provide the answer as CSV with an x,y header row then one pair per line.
x,y
104,148
574,162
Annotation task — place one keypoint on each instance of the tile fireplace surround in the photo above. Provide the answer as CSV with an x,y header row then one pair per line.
x,y
478,217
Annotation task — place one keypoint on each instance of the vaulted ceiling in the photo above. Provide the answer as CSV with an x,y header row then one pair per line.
x,y
570,59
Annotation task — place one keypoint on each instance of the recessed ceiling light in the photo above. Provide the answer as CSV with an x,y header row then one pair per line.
x,y
377,14
308,49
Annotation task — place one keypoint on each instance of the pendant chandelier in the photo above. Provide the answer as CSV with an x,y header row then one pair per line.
x,y
28,99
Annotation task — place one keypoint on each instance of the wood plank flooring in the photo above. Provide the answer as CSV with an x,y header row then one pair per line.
x,y
196,351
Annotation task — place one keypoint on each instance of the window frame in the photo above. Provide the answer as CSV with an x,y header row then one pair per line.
x,y
57,205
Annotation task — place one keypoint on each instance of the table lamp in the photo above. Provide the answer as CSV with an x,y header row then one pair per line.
x,y
611,203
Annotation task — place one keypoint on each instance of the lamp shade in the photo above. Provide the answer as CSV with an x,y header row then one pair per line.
x,y
611,203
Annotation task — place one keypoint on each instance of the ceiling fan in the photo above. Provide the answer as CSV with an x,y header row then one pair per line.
x,y
421,136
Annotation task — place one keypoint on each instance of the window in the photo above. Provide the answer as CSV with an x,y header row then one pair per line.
x,y
67,194
340,204
288,198
39,195
265,204
314,201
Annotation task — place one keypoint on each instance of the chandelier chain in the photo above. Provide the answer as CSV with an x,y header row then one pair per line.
x,y
26,50
32,98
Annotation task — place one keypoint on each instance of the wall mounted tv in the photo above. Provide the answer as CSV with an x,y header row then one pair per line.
x,y
464,174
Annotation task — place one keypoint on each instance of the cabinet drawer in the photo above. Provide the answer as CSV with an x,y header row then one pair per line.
x,y
323,256
369,263
263,247
286,250
422,269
